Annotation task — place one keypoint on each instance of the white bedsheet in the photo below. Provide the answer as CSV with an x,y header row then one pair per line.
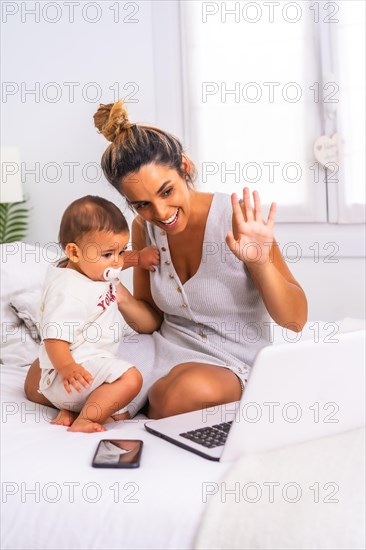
x,y
52,498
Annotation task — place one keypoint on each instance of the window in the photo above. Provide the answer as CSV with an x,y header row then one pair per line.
x,y
263,81
348,42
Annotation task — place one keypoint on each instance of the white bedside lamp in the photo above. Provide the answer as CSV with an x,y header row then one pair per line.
x,y
11,183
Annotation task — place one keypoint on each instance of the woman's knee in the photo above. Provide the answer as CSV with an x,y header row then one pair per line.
x,y
190,389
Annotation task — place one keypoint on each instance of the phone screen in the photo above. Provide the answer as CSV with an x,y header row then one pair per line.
x,y
118,453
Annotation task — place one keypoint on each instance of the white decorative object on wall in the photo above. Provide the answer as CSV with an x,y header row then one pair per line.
x,y
326,151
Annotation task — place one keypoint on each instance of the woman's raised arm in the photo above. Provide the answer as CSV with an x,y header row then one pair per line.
x,y
252,241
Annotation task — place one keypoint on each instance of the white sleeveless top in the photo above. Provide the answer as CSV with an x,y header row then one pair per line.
x,y
217,316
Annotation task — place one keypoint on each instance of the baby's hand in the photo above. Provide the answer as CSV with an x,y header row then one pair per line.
x,y
148,257
72,374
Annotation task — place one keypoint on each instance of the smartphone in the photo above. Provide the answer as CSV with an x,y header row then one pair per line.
x,y
118,453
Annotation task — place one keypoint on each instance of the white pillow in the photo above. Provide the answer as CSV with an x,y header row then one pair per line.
x,y
26,306
23,269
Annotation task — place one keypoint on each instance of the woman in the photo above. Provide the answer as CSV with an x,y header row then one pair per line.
x,y
221,276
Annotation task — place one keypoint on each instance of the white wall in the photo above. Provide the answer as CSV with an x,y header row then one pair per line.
x,y
113,57
328,261
145,53
333,290
62,132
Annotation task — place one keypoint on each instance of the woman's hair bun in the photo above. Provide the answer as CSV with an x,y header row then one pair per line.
x,y
112,119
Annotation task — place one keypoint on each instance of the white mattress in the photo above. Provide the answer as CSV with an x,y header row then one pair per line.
x,y
54,499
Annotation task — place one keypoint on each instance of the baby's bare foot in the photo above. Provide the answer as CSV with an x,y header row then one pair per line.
x,y
64,418
86,426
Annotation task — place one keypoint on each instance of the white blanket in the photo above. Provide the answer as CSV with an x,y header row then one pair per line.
x,y
309,496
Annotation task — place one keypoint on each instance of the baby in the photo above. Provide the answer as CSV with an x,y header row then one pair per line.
x,y
80,321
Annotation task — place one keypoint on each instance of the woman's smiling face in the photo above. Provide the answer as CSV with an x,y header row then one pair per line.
x,y
159,195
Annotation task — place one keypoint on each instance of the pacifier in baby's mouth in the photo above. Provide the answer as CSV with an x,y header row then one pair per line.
x,y
113,274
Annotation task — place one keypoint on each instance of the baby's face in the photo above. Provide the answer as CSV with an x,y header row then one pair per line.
x,y
100,250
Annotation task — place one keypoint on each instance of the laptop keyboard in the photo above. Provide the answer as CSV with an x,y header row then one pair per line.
x,y
210,437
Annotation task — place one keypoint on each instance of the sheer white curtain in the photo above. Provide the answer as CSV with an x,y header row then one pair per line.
x,y
348,41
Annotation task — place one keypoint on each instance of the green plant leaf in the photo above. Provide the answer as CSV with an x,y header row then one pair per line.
x,y
14,238
14,219
21,221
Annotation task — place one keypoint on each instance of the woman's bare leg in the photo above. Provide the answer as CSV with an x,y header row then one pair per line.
x,y
31,385
191,387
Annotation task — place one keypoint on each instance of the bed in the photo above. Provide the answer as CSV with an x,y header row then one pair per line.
x,y
53,498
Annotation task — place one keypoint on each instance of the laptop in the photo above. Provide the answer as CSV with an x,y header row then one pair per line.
x,y
295,392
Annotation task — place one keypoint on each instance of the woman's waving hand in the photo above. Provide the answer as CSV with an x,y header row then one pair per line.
x,y
252,237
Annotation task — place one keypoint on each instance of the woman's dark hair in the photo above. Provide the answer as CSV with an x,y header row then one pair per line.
x,y
88,214
135,145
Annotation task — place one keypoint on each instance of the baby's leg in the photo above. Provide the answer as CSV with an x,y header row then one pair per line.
x,y
107,399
